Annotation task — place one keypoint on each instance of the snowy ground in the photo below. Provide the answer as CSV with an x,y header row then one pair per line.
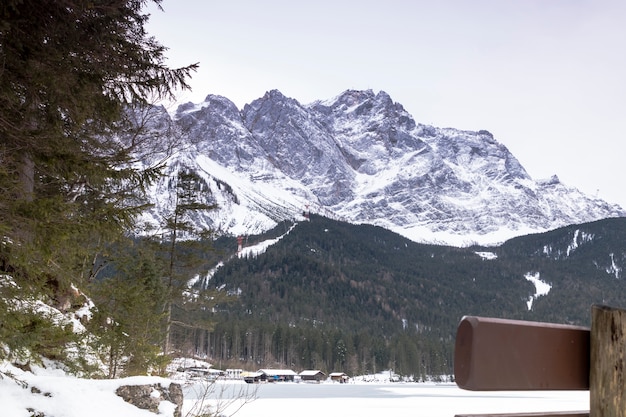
x,y
54,394
51,392
376,399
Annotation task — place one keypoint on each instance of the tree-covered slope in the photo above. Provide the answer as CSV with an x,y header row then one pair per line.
x,y
329,287
584,264
366,290
339,274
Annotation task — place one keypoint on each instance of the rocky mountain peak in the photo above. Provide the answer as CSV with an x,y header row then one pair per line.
x,y
363,158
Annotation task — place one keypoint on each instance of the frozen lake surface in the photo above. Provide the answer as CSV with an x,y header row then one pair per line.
x,y
374,399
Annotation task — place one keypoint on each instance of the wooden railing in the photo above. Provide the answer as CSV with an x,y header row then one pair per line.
x,y
502,355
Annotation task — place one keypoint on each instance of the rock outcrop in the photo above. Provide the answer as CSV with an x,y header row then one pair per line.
x,y
150,397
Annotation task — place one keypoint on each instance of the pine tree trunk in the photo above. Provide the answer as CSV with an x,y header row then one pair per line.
x,y
26,175
168,328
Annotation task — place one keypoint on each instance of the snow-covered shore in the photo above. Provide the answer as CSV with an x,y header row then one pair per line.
x,y
52,393
373,399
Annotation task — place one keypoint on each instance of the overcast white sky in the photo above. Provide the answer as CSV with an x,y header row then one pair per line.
x,y
546,77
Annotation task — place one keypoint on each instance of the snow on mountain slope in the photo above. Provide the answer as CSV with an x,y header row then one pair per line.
x,y
243,207
362,158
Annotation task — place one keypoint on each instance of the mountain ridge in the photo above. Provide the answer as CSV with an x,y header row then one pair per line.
x,y
360,157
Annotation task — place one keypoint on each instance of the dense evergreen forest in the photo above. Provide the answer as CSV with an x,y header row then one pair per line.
x,y
357,298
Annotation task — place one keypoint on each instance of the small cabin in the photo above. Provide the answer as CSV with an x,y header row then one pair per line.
x,y
312,375
201,372
251,377
339,377
234,373
277,375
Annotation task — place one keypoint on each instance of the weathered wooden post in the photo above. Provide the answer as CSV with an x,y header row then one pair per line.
x,y
607,379
497,354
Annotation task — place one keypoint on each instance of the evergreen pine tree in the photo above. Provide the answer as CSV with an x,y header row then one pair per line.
x,y
129,318
186,308
70,71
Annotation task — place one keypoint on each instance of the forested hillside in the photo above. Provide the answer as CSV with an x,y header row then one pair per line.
x,y
585,264
358,298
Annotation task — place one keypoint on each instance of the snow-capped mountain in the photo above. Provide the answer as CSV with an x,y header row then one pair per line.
x,y
362,158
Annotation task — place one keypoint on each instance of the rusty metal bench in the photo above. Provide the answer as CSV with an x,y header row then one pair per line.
x,y
506,355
